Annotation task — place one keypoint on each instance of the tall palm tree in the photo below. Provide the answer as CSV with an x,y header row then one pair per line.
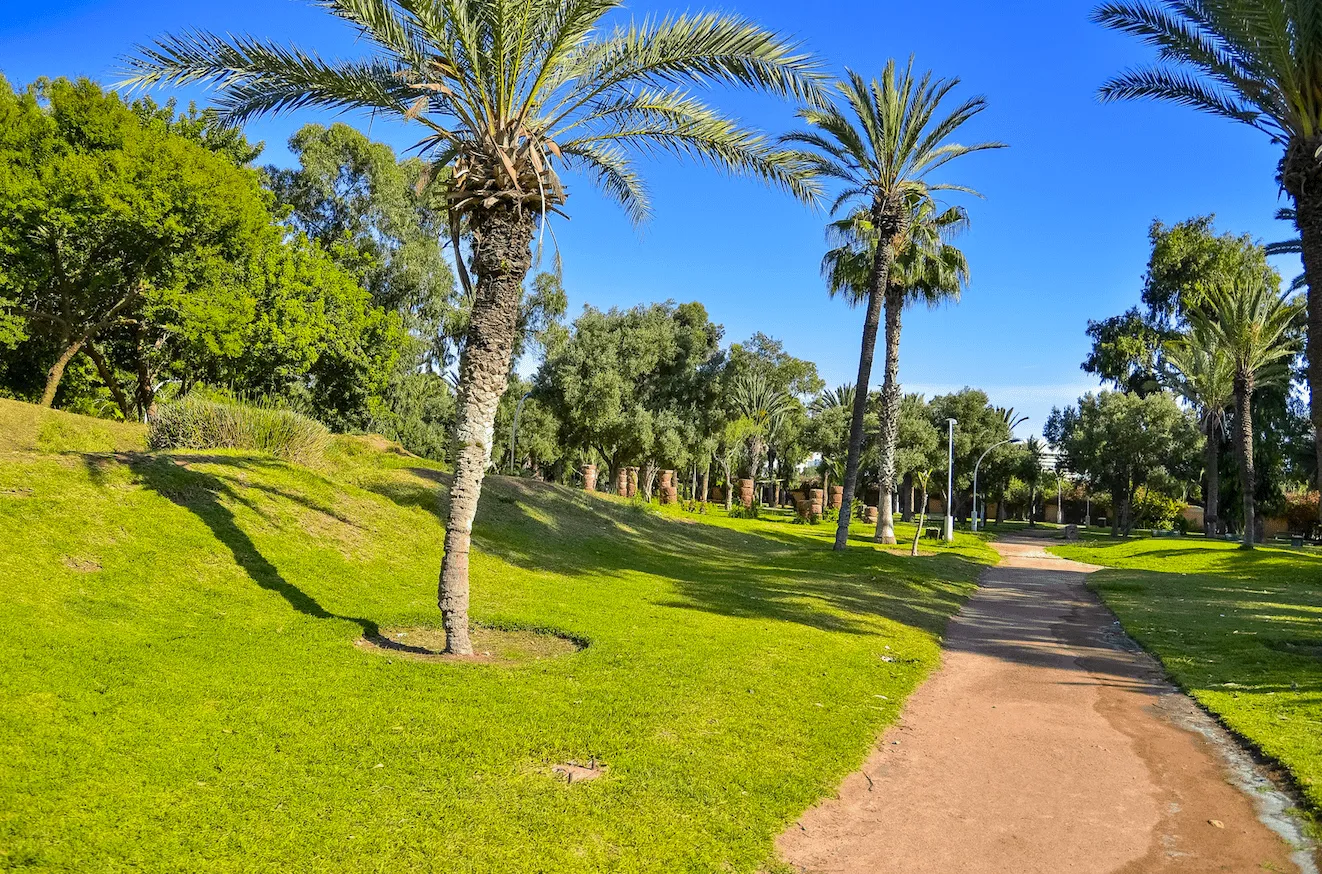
x,y
508,94
1200,370
1256,327
926,268
765,407
882,146
1257,62
842,396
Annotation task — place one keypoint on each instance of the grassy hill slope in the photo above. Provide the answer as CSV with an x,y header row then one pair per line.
x,y
183,693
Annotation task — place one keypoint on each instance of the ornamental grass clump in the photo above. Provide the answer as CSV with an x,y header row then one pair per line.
x,y
199,423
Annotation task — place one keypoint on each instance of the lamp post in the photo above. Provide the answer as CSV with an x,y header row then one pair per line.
x,y
1060,498
950,486
978,467
514,432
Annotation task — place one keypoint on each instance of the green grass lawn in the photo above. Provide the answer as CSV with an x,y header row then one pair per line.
x,y
1241,631
182,692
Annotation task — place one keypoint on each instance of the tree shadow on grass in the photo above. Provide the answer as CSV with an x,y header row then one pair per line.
x,y
206,496
761,574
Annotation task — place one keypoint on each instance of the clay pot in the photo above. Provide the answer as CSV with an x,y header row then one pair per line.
x,y
871,515
667,479
622,482
746,488
837,497
669,495
815,498
589,477
633,482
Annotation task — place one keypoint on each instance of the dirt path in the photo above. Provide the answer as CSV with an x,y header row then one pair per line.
x,y
1047,743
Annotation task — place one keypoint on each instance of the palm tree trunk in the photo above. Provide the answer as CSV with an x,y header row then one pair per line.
x,y
890,417
1301,177
1212,461
501,259
1244,423
880,275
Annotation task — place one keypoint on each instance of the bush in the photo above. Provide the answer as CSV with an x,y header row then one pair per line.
x,y
198,423
1301,513
739,511
1157,511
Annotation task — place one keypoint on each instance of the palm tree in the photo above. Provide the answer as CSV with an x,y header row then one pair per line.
x,y
508,94
882,147
1200,370
841,396
926,268
1289,247
1257,62
765,407
1256,328
1012,419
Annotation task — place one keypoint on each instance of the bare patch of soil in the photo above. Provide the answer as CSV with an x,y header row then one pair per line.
x,y
492,646
573,772
82,565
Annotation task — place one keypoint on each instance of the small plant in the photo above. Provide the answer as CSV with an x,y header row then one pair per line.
x,y
698,507
830,515
739,511
198,423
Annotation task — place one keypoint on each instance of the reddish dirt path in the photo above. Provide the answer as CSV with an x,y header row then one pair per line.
x,y
1045,743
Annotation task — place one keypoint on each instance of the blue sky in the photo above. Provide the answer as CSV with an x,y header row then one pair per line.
x,y
1060,238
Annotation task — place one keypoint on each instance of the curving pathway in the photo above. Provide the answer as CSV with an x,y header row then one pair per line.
x,y
1047,742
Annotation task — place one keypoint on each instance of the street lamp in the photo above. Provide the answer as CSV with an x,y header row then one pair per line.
x,y
978,467
950,486
514,432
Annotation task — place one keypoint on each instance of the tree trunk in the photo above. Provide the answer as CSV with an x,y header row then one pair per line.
x,y
922,523
729,487
107,374
1301,177
1212,500
650,469
890,418
501,259
1032,507
881,265
1247,479
706,482
56,372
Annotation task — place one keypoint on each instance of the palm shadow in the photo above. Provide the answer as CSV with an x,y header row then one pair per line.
x,y
207,496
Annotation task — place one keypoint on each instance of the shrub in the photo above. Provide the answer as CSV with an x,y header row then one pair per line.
x,y
1301,513
198,423
739,511
1155,510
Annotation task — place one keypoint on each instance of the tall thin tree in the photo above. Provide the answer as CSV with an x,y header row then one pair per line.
x,y
1257,62
508,94
926,268
1200,371
882,146
1256,327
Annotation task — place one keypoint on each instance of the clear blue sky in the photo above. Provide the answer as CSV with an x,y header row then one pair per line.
x,y
1059,239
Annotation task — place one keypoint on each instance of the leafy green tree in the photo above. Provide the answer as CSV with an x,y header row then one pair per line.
x,y
980,426
881,148
1254,62
1186,259
919,450
112,224
1203,374
509,96
1124,441
1255,327
630,384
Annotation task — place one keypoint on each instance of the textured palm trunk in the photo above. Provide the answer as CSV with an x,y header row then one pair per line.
x,y
1247,478
890,418
1302,178
1212,461
881,267
501,259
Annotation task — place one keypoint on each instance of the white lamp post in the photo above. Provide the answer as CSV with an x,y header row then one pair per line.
x,y
950,487
978,467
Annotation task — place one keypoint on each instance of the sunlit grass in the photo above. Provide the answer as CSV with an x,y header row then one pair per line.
x,y
182,692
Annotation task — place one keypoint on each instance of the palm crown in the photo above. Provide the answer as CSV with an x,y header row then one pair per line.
x,y
1253,324
927,266
510,91
1254,61
1201,372
883,154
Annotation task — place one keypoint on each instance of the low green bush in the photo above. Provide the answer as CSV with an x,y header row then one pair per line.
x,y
200,423
739,511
